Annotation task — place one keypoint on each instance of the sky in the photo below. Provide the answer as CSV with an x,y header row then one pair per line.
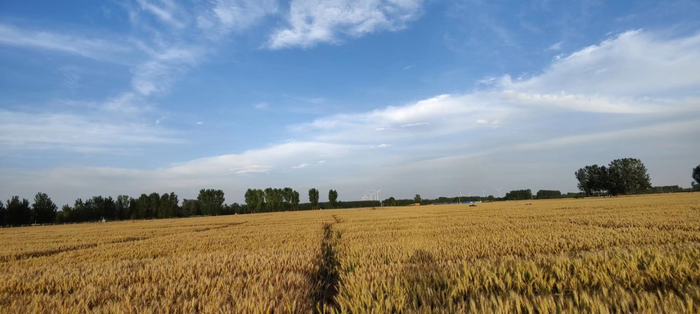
x,y
407,96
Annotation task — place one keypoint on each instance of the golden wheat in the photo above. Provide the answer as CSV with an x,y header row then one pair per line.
x,y
629,254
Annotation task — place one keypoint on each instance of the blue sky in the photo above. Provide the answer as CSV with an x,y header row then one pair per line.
x,y
428,97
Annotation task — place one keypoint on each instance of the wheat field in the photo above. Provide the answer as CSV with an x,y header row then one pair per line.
x,y
627,254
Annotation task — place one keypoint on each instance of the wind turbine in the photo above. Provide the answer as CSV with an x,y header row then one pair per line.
x,y
499,191
376,195
483,194
460,196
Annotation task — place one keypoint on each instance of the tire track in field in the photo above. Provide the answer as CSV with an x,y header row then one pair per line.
x,y
327,279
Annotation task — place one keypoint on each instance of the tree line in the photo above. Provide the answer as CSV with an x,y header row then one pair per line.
x,y
275,199
269,200
209,202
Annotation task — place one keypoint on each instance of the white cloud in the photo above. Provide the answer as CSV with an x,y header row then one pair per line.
x,y
154,74
74,132
300,166
165,10
437,116
322,21
383,145
226,16
251,169
556,46
255,161
126,103
634,63
640,132
97,49
158,73
410,125
262,106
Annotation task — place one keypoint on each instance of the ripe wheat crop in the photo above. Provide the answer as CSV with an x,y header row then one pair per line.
x,y
628,254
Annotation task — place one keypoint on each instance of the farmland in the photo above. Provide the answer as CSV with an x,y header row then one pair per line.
x,y
623,254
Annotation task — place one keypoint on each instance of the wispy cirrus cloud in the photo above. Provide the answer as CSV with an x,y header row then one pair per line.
x,y
157,74
74,132
261,106
227,16
167,11
317,21
97,49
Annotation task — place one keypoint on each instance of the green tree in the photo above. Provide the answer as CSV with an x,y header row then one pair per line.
x,y
548,194
68,213
123,205
519,195
598,179
313,198
142,207
274,199
250,198
18,212
61,215
174,208
211,201
288,198
584,177
592,179
255,200
295,200
190,208
107,208
78,212
43,209
417,198
235,208
391,201
168,205
87,210
627,175
269,204
333,198
162,210
153,205
133,208
696,177
259,200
